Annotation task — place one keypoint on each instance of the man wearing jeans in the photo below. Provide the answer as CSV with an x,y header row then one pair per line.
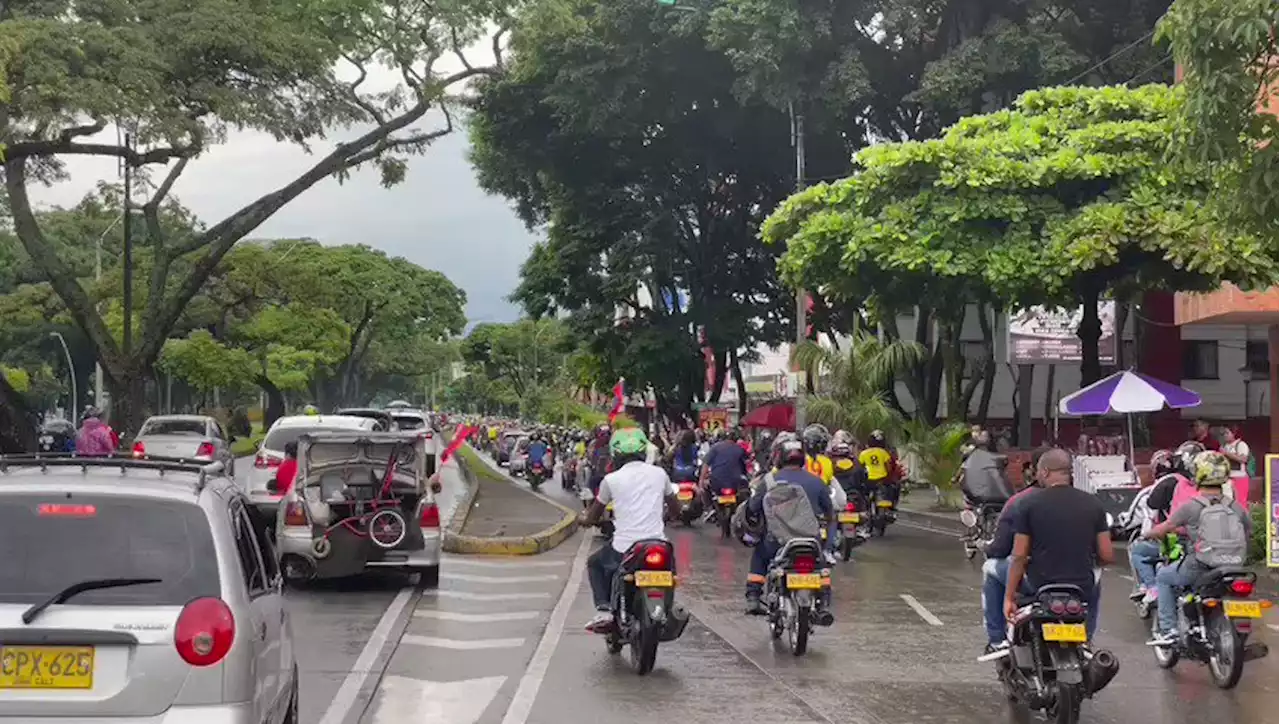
x,y
638,492
995,572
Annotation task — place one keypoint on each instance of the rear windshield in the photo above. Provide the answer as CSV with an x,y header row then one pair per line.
x,y
173,427
410,422
281,436
53,541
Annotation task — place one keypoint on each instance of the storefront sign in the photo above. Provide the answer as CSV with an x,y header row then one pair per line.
x,y
713,419
1273,510
1048,336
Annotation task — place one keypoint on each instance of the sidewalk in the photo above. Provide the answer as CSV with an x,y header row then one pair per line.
x,y
498,516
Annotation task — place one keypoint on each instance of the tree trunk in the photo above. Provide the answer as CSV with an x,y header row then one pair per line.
x,y
721,366
949,347
1022,390
989,369
128,401
1089,332
17,420
1049,385
738,380
275,401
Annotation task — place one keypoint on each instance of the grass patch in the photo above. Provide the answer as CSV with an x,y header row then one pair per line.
x,y
478,468
246,446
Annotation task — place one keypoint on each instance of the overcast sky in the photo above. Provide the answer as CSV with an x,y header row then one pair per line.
x,y
438,218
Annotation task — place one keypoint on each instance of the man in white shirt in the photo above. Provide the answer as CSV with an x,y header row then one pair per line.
x,y
639,491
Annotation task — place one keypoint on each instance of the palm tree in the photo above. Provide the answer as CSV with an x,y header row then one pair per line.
x,y
852,384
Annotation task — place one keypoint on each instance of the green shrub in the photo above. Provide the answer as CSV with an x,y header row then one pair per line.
x,y
1258,544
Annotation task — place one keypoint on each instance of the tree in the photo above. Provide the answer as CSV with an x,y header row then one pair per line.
x,y
277,68
852,382
1227,51
1058,201
527,354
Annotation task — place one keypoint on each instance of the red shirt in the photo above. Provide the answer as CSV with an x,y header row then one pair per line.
x,y
1210,442
285,475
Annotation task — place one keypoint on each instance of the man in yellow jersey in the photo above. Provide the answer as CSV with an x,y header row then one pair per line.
x,y
881,466
815,439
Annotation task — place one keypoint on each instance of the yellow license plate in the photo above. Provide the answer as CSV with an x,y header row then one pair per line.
x,y
804,580
725,499
654,579
849,518
46,667
684,495
884,504
1071,633
1242,609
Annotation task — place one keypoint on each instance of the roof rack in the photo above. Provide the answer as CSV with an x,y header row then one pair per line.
x,y
68,460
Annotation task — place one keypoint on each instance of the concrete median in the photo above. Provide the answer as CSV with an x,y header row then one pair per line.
x,y
497,517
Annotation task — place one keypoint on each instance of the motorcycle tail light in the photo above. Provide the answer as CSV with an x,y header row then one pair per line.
x,y
804,564
656,557
1057,607
1074,607
849,507
1242,587
687,486
727,491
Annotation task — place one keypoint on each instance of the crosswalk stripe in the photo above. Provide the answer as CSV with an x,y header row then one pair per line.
x,y
497,579
478,617
469,596
461,644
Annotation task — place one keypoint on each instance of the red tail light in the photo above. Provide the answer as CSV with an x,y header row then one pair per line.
x,y
294,515
205,450
849,507
204,632
656,557
430,516
727,491
262,461
139,449
688,486
1242,587
804,564
1074,607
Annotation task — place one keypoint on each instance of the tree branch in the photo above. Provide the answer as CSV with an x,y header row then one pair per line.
x,y
61,147
390,144
497,47
353,90
456,44
68,134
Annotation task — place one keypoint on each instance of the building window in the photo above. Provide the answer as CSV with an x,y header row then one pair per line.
x,y
1257,359
1199,360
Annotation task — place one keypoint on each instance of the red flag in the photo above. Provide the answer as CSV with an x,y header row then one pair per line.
x,y
459,436
619,400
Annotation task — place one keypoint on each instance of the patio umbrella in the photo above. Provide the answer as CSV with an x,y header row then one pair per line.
x,y
1127,391
775,416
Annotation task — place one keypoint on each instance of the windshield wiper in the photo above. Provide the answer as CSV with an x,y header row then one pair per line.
x,y
75,589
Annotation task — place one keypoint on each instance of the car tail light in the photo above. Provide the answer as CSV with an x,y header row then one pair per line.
x,y
656,557
204,632
294,515
1242,587
262,461
727,491
205,450
804,564
1074,607
430,516
139,449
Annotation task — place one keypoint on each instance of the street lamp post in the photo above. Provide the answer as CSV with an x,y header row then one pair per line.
x,y
71,369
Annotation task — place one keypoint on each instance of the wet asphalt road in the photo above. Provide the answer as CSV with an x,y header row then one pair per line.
x,y
501,643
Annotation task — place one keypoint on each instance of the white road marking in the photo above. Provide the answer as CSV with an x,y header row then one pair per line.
x,y
460,561
527,692
461,644
1273,627
345,699
402,700
478,617
468,596
1127,578
919,608
450,575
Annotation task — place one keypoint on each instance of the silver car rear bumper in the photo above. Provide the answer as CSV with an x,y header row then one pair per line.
x,y
298,542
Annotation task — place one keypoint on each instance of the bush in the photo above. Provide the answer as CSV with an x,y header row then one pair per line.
x,y
1258,544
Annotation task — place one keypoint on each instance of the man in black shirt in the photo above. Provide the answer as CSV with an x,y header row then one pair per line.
x,y
1060,536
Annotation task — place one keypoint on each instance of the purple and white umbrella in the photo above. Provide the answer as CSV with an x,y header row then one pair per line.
x,y
1127,391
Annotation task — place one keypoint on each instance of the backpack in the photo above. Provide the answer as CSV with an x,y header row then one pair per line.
x,y
1221,539
788,513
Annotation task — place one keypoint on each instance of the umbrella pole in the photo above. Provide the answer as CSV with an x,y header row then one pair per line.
x,y
1132,464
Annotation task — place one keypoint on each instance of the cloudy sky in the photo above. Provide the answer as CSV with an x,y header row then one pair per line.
x,y
438,218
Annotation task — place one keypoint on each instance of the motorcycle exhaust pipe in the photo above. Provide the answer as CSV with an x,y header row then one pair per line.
x,y
1255,650
1100,670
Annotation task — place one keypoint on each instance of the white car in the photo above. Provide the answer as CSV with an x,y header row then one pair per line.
x,y
419,421
271,453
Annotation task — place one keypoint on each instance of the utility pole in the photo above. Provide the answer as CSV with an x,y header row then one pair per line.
x,y
797,142
128,246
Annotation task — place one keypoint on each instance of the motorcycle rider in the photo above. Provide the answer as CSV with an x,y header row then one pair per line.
x,y
816,438
724,467
537,451
995,571
1217,530
94,438
1061,535
789,461
881,466
640,494
684,458
598,458
1151,506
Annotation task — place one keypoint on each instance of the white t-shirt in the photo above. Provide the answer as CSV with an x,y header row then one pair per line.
x,y
1238,447
638,492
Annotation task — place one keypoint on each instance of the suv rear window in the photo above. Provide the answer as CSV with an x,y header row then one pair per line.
x,y
52,541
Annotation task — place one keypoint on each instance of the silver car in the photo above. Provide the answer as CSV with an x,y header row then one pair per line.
x,y
260,483
137,591
418,421
185,437
360,501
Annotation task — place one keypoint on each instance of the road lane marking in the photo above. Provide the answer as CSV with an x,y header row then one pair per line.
x,y
478,617
527,691
919,608
469,596
458,561
1127,578
471,578
461,644
349,691
402,700
1273,627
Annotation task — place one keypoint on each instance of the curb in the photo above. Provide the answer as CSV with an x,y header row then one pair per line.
x,y
540,542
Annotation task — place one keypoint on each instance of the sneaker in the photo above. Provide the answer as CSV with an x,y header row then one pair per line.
x,y
1137,594
1164,639
1150,595
995,651
601,622
830,557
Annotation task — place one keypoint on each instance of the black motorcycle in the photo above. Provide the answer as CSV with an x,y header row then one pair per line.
x,y
644,610
884,507
794,589
537,474
726,499
980,521
1047,665
57,436
1215,619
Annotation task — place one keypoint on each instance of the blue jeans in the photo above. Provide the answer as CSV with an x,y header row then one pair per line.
x,y
1143,556
601,568
995,576
1168,580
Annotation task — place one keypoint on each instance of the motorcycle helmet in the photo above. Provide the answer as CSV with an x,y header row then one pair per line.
x,y
627,442
841,437
1186,454
311,410
840,449
815,438
1211,468
1162,463
876,439
788,450
91,411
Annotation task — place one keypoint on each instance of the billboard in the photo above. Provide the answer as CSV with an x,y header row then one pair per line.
x,y
713,419
1273,510
1038,335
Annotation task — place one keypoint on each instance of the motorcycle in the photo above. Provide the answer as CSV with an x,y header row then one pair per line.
x,y
690,502
855,525
569,473
1047,665
643,604
883,510
726,504
980,521
794,588
1215,618
536,474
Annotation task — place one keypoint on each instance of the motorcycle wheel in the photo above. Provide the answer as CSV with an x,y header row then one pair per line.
x,y
1226,660
644,648
1166,656
725,520
798,632
1066,704
878,526
846,549
535,482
